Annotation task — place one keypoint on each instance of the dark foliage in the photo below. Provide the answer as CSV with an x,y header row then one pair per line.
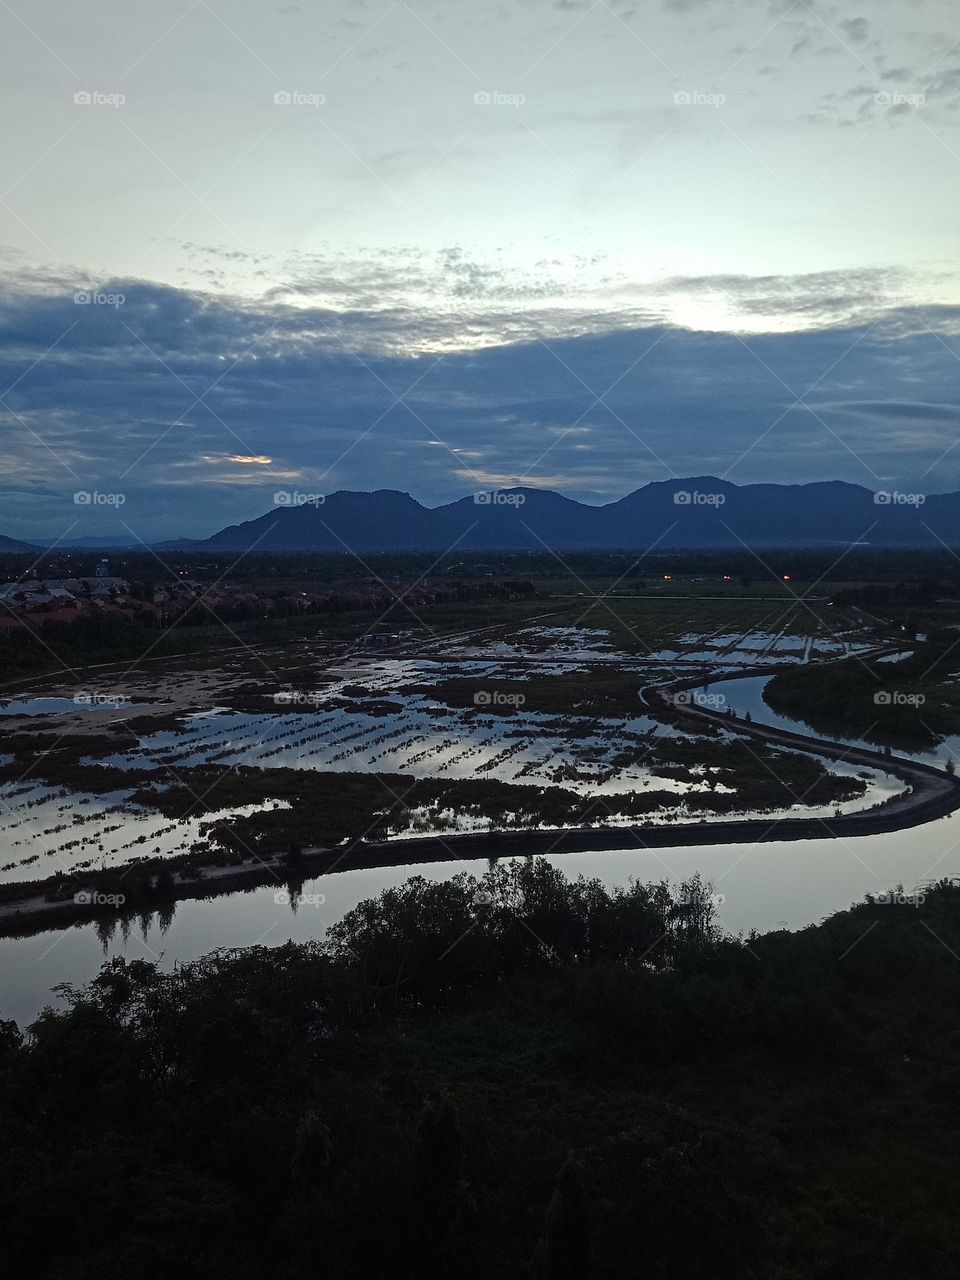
x,y
508,1076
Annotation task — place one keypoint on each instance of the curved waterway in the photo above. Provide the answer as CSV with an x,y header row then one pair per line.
x,y
759,886
763,886
746,694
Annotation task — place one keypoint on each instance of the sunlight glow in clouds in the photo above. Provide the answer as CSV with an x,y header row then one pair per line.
x,y
243,241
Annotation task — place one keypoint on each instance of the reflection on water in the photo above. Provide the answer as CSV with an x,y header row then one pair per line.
x,y
747,695
57,706
764,886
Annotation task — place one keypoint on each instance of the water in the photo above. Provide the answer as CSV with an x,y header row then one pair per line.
x,y
762,886
788,884
85,702
747,695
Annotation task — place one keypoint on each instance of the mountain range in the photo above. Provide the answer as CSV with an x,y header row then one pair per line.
x,y
695,513
699,512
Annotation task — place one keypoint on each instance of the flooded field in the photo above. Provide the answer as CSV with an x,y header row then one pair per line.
x,y
539,727
777,885
531,728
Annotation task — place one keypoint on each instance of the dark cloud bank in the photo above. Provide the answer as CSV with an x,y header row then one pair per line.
x,y
196,411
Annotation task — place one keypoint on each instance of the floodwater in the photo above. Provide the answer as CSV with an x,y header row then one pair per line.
x,y
763,886
758,886
747,695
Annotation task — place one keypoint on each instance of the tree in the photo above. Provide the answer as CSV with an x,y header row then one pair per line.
x,y
10,1036
311,1155
438,1164
563,1250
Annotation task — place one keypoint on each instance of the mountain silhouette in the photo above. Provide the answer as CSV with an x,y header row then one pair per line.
x,y
698,512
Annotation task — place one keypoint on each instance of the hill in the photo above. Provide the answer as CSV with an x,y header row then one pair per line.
x,y
14,546
699,512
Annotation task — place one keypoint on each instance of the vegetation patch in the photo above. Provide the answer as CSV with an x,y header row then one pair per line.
x,y
911,703
512,1075
598,690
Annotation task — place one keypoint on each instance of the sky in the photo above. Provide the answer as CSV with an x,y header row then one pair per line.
x,y
257,248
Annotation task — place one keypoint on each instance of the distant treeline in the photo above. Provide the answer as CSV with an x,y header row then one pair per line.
x,y
36,646
883,565
917,605
910,703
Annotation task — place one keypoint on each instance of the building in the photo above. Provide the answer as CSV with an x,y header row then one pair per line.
x,y
33,592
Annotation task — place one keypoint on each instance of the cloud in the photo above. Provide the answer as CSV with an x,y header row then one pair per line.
x,y
829,296
856,30
909,411
196,407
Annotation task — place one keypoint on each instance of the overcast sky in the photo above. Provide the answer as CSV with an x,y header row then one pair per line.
x,y
445,244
